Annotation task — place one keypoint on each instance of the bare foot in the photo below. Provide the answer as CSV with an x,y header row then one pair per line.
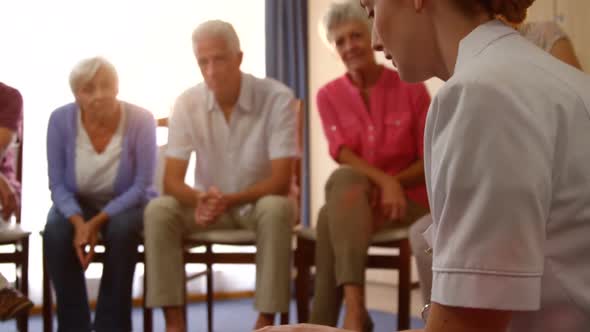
x,y
264,320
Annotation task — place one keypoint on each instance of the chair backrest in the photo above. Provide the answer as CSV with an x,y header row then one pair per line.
x,y
19,171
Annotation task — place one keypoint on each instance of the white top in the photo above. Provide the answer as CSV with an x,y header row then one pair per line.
x,y
96,172
507,163
234,155
543,34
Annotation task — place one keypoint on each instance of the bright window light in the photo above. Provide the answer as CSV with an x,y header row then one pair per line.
x,y
148,41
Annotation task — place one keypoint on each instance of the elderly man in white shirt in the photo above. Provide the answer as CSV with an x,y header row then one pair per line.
x,y
243,130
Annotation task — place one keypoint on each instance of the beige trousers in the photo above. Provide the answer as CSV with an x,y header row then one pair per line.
x,y
344,231
166,221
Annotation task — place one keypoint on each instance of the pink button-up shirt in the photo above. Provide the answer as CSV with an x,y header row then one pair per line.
x,y
389,137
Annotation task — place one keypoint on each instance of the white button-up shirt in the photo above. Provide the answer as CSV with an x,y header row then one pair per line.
x,y
507,158
236,154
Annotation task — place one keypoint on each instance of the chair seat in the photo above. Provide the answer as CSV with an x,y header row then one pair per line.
x,y
381,237
225,236
11,233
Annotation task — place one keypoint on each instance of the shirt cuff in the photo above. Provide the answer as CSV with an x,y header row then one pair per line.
x,y
283,153
487,291
178,154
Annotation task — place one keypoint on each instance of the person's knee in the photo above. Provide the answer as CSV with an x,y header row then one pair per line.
x,y
347,186
322,226
347,175
157,211
125,226
278,211
57,226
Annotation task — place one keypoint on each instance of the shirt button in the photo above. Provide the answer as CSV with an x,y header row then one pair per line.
x,y
371,138
397,122
371,128
333,128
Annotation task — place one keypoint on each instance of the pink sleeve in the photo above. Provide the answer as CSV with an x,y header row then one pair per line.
x,y
332,129
421,103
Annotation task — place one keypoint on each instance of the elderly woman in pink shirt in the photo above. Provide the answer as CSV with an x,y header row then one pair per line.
x,y
374,124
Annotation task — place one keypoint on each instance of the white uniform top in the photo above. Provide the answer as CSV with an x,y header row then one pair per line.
x,y
507,158
233,156
96,172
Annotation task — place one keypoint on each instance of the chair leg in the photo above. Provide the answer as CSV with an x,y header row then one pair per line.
x,y
147,312
284,318
209,297
303,262
22,321
185,297
403,318
47,301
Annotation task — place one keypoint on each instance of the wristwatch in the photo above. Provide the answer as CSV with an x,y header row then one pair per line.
x,y
425,312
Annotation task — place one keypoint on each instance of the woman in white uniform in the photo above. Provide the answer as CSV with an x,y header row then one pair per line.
x,y
507,166
548,36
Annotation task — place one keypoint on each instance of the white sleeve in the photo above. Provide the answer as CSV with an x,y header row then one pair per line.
x,y
490,190
283,127
179,145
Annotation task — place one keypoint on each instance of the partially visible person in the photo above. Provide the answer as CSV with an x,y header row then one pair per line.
x,y
101,155
243,130
549,37
374,125
506,162
12,301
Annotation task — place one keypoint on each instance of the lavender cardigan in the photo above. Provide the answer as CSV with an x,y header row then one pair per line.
x,y
134,181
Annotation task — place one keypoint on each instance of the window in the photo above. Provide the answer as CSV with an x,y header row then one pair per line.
x,y
149,42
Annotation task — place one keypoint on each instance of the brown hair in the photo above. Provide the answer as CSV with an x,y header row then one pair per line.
x,y
513,11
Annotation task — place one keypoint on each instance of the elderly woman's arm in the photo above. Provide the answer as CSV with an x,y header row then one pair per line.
x,y
63,199
145,151
564,51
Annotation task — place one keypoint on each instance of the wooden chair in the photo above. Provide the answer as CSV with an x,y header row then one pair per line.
x,y
210,239
389,238
18,239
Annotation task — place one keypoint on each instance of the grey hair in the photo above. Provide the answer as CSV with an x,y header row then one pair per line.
x,y
218,29
341,12
85,70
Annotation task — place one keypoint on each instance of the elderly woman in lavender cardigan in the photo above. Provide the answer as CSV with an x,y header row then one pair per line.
x,y
101,156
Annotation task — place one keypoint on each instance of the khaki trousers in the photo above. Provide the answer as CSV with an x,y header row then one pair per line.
x,y
344,231
166,222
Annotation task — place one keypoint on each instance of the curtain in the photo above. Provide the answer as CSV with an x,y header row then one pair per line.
x,y
286,61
